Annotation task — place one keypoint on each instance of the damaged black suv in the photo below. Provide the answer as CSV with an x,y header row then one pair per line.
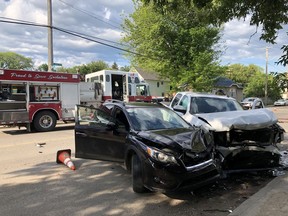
x,y
162,151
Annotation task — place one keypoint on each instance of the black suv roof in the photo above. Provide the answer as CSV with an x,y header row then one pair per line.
x,y
131,104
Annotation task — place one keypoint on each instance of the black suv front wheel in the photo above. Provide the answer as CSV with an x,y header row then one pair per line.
x,y
137,180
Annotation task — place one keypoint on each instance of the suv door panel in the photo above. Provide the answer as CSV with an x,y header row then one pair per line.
x,y
94,139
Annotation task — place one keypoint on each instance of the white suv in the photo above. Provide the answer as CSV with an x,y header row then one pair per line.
x,y
237,133
220,112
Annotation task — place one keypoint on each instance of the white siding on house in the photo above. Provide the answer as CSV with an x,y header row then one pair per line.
x,y
152,79
158,91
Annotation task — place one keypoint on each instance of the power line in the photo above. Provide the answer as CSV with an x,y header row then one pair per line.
x,y
21,22
80,35
90,14
75,34
97,38
15,19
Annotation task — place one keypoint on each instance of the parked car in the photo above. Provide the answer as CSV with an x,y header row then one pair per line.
x,y
162,151
240,136
252,103
281,102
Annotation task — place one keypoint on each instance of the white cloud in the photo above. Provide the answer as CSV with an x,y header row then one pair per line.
x,y
110,34
237,28
107,13
25,10
102,20
243,45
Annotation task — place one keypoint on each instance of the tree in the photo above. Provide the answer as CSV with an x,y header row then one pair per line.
x,y
11,60
86,68
96,66
43,67
256,87
176,45
125,68
114,66
281,80
242,74
270,15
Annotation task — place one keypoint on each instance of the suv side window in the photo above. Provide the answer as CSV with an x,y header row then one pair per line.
x,y
176,100
184,102
92,116
193,106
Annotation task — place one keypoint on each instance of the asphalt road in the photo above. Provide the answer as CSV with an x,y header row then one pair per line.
x,y
32,183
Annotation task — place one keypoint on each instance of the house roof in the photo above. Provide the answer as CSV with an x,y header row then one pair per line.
x,y
148,75
225,82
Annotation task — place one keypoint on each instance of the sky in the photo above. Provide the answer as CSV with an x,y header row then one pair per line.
x,y
101,19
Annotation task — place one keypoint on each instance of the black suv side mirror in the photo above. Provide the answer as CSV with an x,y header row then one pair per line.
x,y
111,126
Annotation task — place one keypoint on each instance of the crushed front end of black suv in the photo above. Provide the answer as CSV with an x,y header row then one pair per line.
x,y
176,159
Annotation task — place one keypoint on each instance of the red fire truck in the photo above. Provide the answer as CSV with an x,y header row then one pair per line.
x,y
36,100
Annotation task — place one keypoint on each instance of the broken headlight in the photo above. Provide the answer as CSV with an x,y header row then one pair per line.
x,y
161,156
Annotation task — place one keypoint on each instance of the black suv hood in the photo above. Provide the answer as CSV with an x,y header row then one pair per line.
x,y
194,139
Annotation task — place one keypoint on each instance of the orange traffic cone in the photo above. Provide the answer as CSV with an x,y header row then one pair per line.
x,y
63,156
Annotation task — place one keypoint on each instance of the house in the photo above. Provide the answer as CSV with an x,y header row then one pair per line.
x,y
228,87
159,87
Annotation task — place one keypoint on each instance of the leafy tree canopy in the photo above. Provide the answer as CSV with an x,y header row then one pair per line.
x,y
11,60
178,45
114,66
43,67
256,87
86,68
242,74
253,78
281,80
270,15
125,68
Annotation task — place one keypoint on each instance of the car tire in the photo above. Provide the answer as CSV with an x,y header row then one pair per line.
x,y
44,121
137,180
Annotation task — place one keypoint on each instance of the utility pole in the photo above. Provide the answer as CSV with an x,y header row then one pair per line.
x,y
50,35
266,77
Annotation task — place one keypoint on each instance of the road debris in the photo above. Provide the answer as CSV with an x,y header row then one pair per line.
x,y
218,210
40,145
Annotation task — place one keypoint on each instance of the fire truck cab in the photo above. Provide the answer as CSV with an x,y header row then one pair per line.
x,y
121,85
36,100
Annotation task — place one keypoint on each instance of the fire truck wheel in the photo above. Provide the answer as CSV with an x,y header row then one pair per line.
x,y
44,121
